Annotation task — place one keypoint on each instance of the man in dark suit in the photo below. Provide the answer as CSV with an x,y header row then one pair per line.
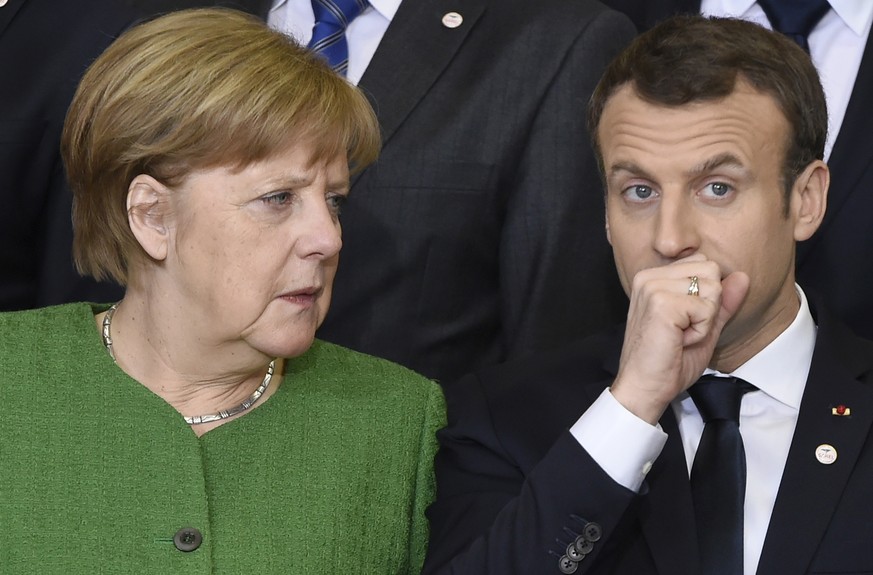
x,y
45,46
607,457
837,258
476,236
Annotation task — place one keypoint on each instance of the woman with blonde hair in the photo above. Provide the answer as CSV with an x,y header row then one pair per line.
x,y
197,426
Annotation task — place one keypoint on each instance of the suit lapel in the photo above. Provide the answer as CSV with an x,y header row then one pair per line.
x,y
667,512
7,13
260,8
851,155
810,491
413,53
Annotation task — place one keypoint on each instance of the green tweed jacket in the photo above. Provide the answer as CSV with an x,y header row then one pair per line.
x,y
332,474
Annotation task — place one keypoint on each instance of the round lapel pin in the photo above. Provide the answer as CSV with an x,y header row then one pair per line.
x,y
452,20
826,454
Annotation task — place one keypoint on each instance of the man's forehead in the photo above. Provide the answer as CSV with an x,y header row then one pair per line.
x,y
628,93
626,111
733,135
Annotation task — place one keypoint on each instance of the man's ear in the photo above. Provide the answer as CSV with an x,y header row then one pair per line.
x,y
606,225
148,214
809,199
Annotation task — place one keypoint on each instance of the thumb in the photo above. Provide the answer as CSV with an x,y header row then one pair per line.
x,y
734,289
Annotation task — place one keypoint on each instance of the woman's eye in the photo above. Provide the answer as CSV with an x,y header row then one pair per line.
x,y
277,199
336,203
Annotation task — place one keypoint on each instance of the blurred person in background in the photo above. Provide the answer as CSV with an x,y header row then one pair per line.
x,y
45,46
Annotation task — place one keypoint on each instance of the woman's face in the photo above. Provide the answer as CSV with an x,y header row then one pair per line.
x,y
253,252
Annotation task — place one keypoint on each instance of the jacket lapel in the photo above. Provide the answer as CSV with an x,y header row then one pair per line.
x,y
667,512
852,155
810,490
413,53
259,8
7,13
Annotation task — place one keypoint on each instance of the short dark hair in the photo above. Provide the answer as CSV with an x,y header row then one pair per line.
x,y
691,58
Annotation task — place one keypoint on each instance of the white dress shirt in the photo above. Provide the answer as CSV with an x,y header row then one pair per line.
x,y
836,46
625,446
295,18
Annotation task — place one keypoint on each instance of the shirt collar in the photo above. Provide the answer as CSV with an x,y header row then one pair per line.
x,y
780,370
386,8
732,8
856,14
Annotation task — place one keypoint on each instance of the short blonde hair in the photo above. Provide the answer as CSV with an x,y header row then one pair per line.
x,y
190,90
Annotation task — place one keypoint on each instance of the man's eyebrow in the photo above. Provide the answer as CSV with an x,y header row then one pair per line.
x,y
722,160
630,168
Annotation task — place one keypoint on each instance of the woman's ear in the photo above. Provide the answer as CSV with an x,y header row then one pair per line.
x,y
148,214
809,199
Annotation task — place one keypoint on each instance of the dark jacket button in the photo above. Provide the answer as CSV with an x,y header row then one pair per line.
x,y
187,539
567,565
573,554
583,545
592,532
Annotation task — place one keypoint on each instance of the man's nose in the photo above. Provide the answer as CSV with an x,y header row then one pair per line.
x,y
676,232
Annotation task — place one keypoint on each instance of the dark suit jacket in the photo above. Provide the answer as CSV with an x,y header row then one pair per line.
x,y
479,234
512,481
836,263
45,46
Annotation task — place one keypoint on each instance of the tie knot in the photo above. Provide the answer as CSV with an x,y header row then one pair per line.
x,y
795,18
337,13
718,397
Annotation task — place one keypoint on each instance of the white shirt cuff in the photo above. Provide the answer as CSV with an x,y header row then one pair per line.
x,y
622,444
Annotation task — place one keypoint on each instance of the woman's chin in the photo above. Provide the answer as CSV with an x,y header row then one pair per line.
x,y
287,348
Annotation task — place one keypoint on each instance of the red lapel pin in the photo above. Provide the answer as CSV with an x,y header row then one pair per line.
x,y
841,410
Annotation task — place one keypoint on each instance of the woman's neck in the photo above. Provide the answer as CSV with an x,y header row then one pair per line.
x,y
160,348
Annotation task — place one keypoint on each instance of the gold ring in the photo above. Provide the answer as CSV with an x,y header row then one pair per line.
x,y
694,288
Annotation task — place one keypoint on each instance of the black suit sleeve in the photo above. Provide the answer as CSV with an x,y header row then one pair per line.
x,y
496,514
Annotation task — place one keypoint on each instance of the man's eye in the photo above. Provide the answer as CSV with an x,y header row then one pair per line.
x,y
639,192
717,189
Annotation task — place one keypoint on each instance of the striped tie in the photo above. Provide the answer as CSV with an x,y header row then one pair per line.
x,y
332,17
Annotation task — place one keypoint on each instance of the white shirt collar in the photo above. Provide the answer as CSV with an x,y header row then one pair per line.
x,y
780,370
387,8
856,14
732,8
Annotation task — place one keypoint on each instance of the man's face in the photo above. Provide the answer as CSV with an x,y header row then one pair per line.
x,y
705,178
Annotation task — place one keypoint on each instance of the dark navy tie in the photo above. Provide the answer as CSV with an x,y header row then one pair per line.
x,y
332,17
795,18
718,475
